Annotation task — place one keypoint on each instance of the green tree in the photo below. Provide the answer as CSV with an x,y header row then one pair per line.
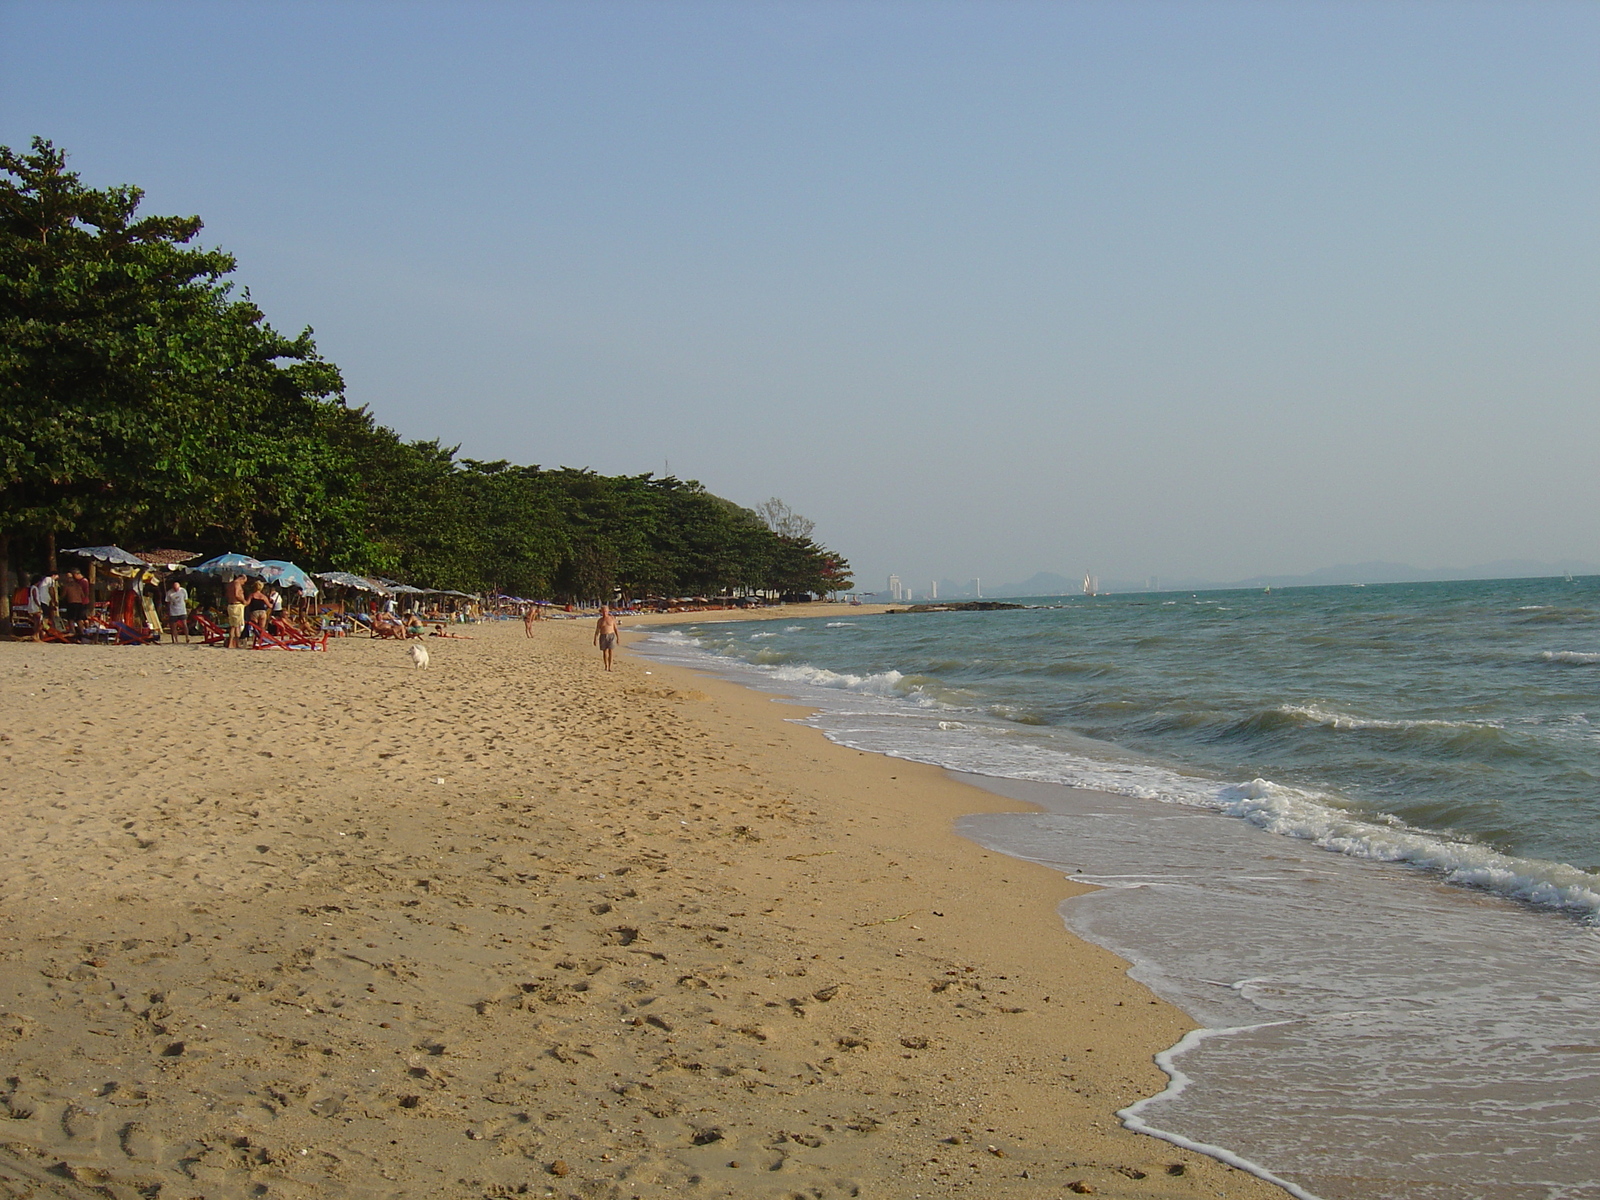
x,y
141,398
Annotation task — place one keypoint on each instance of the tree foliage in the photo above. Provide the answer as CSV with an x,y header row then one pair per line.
x,y
145,402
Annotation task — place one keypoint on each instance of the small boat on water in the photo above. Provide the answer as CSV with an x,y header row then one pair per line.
x,y
1091,585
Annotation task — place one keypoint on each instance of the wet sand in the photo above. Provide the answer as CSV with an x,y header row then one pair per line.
x,y
306,925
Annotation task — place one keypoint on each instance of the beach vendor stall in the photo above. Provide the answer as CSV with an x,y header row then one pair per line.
x,y
129,616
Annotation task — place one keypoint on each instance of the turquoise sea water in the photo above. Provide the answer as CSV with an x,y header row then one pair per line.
x,y
1354,830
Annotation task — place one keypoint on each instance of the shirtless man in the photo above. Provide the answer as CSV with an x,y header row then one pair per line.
x,y
233,596
75,599
528,618
606,630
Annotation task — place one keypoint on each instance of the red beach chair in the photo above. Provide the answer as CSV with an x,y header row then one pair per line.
x,y
213,634
283,636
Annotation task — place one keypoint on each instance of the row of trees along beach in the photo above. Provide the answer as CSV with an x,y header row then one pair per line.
x,y
147,403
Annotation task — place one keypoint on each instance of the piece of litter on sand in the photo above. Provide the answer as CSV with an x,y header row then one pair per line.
x,y
440,779
885,920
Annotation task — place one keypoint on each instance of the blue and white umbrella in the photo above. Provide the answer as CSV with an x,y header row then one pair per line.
x,y
226,566
290,575
115,555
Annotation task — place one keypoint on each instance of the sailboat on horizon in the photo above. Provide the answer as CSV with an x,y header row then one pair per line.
x,y
1091,585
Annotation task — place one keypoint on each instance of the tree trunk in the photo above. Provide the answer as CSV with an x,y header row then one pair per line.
x,y
5,585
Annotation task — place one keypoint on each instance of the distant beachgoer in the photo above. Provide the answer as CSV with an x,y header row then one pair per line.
x,y
276,596
30,607
234,597
75,598
257,607
528,618
177,601
606,631
43,596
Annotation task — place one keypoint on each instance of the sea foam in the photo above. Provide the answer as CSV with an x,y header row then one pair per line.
x,y
1576,657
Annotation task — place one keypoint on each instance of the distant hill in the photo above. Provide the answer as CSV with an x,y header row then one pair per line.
x,y
1045,583
1048,583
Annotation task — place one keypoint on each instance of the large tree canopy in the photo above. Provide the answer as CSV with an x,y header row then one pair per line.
x,y
145,402
141,397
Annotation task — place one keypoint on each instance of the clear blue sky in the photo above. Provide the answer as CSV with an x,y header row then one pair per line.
x,y
984,288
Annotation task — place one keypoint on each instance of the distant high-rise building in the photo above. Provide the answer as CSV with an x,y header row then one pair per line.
x,y
894,588
933,590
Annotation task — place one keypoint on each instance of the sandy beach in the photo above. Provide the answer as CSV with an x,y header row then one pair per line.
x,y
325,925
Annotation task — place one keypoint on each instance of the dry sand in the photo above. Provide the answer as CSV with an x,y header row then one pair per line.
x,y
324,925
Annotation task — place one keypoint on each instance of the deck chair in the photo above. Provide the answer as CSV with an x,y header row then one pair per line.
x,y
389,629
280,635
95,631
127,635
212,633
49,631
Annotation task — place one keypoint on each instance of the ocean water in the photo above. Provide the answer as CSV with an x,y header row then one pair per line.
x,y
1354,832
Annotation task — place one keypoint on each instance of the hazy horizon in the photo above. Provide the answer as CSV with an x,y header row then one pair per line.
x,y
1211,290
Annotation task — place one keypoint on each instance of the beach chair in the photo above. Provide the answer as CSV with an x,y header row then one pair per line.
x,y
96,631
127,635
280,635
211,633
21,622
387,628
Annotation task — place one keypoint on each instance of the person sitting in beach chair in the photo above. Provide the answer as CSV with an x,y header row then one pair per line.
x,y
387,627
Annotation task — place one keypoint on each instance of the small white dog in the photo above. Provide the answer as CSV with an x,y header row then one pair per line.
x,y
419,656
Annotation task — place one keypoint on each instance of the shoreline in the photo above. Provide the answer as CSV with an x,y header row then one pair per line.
x,y
623,931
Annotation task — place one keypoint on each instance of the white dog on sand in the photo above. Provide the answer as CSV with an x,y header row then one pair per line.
x,y
419,656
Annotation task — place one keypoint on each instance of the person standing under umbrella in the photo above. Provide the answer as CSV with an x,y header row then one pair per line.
x,y
233,597
177,601
75,599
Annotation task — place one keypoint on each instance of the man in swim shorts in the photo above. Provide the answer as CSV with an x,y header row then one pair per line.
x,y
606,631
233,595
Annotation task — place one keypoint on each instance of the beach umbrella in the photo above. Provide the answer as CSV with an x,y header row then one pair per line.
x,y
114,555
290,575
166,558
347,580
226,565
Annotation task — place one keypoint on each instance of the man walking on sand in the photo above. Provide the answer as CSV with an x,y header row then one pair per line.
x,y
606,630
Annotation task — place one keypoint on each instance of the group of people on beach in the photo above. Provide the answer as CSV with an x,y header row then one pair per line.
x,y
67,594
252,609
60,606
